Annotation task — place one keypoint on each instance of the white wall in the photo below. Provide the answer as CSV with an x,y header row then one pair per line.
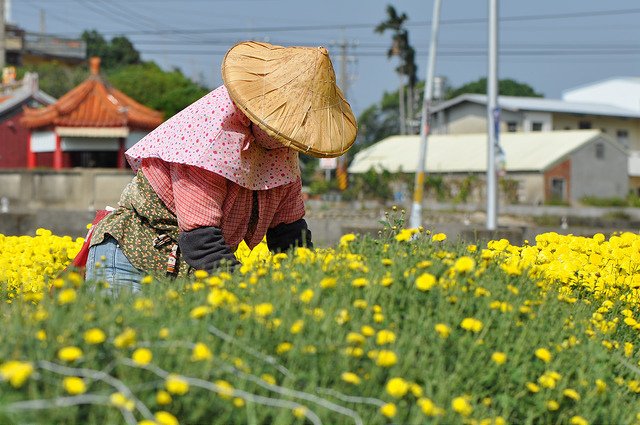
x,y
532,117
43,141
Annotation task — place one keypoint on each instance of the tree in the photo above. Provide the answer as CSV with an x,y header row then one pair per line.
x,y
169,92
54,78
506,87
96,44
400,47
122,52
117,52
380,120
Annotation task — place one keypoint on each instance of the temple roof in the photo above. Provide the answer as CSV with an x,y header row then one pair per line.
x,y
93,103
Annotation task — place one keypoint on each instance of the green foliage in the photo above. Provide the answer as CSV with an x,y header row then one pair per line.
x,y
117,52
54,78
169,92
509,189
320,186
517,316
370,185
381,120
506,87
400,44
465,187
595,201
437,184
557,202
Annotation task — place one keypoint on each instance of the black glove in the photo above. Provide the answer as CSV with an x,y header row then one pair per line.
x,y
284,236
204,248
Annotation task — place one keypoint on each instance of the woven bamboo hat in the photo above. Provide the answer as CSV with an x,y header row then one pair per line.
x,y
291,93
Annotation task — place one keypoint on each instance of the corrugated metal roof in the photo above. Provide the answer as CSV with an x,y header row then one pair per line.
x,y
627,80
515,103
536,151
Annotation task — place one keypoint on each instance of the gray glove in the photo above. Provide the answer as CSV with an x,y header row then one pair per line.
x,y
204,248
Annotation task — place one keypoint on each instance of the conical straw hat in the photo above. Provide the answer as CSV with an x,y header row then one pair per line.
x,y
291,93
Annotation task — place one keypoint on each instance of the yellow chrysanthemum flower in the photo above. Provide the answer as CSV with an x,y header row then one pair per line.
x,y
499,357
74,385
142,356
16,372
543,354
462,406
201,352
397,387
166,418
176,384
350,378
69,354
389,410
94,336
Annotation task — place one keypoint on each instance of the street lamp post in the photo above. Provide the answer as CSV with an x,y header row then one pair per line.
x,y
493,118
415,220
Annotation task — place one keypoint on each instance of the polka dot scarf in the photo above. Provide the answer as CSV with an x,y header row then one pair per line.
x,y
213,134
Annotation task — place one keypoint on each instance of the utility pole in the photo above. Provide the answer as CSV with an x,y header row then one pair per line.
x,y
345,80
345,58
3,37
415,220
493,118
43,22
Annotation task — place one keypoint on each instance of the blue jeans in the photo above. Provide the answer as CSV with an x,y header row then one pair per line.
x,y
107,263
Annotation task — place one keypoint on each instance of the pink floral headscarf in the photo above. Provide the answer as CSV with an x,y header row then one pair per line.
x,y
212,133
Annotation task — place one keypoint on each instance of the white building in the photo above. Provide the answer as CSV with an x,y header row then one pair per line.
x,y
562,166
622,92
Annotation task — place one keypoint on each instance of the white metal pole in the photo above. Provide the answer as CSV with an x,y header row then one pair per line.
x,y
415,220
493,118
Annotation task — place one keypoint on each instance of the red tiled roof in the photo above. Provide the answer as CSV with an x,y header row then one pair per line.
x,y
3,98
94,103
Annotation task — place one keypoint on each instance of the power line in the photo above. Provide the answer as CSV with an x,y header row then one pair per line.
x,y
366,45
383,54
518,18
122,18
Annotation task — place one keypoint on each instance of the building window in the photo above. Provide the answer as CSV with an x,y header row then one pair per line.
x,y
584,125
623,137
536,126
557,189
512,126
600,150
93,159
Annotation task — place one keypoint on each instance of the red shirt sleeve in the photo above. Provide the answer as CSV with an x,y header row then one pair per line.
x,y
198,196
291,207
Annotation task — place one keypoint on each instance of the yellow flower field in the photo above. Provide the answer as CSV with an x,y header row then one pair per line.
x,y
407,328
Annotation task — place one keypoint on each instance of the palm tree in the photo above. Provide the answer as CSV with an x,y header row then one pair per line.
x,y
400,47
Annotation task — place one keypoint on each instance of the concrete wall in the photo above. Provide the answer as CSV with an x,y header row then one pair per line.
x,y
606,177
608,125
530,188
471,118
74,189
466,118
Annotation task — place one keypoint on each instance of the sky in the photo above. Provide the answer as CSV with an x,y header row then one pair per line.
x,y
552,45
